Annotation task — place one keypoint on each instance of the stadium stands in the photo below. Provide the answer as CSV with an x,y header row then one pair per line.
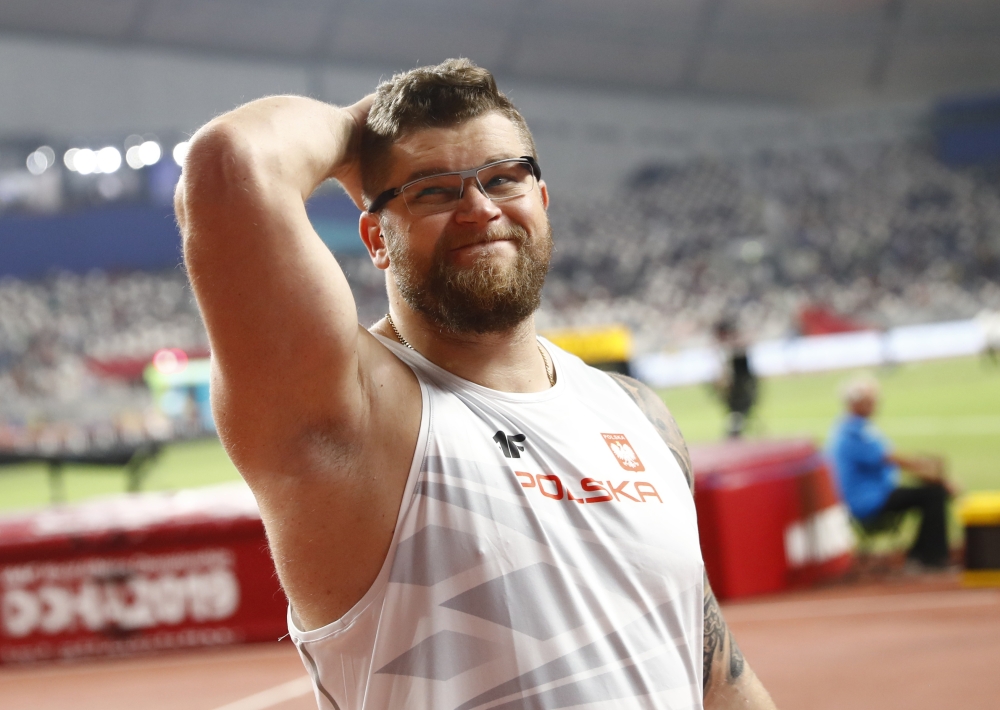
x,y
55,333
882,233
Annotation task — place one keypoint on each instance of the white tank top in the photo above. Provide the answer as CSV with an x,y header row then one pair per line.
x,y
545,556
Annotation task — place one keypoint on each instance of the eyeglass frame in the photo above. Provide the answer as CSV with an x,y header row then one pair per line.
x,y
383,198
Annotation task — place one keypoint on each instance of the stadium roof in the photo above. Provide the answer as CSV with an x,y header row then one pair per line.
x,y
811,50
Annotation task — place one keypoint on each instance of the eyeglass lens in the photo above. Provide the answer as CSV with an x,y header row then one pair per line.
x,y
438,193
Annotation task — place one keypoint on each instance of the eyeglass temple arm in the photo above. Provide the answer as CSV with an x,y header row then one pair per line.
x,y
380,201
535,169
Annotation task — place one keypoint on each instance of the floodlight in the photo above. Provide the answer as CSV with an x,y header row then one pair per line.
x,y
109,159
85,161
149,152
49,155
133,159
69,159
36,163
180,152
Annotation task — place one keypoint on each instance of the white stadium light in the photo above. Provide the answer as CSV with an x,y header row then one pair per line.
x,y
109,159
133,158
85,161
143,154
37,163
180,152
69,159
49,155
149,153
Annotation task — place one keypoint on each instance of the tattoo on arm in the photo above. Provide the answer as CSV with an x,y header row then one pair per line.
x,y
736,662
715,637
715,648
659,416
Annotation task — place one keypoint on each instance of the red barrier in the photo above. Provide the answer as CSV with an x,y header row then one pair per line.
x,y
769,516
136,573
168,570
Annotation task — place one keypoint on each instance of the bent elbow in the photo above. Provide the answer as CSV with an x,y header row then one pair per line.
x,y
217,159
180,212
218,173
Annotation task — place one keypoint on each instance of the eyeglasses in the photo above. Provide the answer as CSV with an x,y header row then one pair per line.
x,y
500,180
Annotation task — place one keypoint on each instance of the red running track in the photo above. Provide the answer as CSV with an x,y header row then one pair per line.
x,y
908,642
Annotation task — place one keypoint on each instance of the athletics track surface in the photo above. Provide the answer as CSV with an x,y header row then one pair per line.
x,y
905,642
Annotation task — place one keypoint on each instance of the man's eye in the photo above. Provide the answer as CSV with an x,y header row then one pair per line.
x,y
428,191
434,194
506,178
498,180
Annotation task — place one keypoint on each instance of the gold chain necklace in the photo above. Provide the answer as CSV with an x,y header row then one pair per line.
x,y
541,351
548,366
399,337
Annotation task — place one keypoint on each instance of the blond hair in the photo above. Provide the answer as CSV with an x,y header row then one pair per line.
x,y
859,387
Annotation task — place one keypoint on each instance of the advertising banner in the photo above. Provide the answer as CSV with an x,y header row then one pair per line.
x,y
95,580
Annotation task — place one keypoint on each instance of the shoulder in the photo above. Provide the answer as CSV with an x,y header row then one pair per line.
x,y
860,432
659,416
839,430
847,430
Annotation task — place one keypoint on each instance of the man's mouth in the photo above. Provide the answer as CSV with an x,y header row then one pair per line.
x,y
496,238
501,242
485,246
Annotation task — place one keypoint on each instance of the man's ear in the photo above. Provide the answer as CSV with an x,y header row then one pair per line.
x,y
545,193
370,227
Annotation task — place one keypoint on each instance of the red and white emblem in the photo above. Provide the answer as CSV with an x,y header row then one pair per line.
x,y
623,451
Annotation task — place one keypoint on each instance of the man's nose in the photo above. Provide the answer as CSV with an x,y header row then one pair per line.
x,y
474,205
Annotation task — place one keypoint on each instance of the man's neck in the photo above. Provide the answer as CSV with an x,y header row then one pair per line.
x,y
508,361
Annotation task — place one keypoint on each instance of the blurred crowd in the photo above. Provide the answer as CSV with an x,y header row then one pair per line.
x,y
60,337
882,233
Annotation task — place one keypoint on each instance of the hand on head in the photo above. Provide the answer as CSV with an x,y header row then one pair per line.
x,y
348,173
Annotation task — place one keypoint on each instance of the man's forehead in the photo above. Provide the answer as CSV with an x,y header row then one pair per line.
x,y
479,140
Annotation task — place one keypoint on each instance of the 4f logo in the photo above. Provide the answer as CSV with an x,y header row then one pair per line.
x,y
510,445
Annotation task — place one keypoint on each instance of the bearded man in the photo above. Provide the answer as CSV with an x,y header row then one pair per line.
x,y
461,514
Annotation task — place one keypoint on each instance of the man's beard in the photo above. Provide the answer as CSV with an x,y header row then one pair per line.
x,y
490,296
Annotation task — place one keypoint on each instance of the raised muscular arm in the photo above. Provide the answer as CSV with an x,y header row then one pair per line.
x,y
296,384
727,680
280,316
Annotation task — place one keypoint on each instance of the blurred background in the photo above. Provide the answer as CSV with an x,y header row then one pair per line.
x,y
811,186
795,167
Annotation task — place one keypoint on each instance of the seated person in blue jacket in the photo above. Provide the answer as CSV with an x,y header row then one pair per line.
x,y
868,472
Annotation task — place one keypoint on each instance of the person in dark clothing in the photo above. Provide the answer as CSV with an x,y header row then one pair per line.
x,y
738,385
868,473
